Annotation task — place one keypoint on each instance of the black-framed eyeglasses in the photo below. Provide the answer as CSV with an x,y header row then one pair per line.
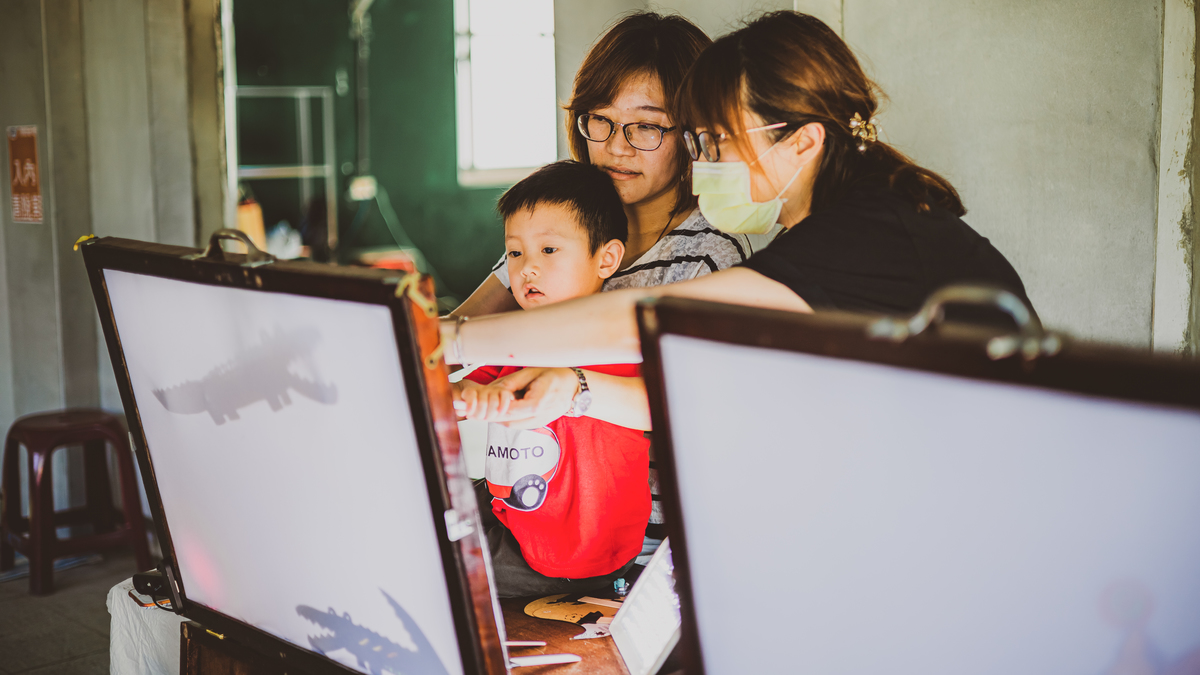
x,y
641,135
708,144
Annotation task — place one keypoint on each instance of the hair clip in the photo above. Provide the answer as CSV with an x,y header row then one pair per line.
x,y
864,131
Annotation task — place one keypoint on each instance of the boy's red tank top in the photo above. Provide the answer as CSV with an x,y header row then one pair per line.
x,y
575,493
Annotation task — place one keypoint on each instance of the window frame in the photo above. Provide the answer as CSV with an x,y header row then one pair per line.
x,y
472,176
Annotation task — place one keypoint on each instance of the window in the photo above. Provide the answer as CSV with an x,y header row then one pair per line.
x,y
507,107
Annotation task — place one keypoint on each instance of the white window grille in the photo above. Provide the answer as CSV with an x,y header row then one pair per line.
x,y
507,107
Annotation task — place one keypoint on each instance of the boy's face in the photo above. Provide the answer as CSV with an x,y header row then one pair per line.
x,y
549,259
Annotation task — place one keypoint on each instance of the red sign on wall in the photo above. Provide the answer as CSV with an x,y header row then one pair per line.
x,y
23,173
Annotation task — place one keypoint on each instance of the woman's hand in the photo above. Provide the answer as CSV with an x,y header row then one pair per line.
x,y
547,396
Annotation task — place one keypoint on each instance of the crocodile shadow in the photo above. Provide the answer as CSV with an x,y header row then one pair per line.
x,y
374,652
259,373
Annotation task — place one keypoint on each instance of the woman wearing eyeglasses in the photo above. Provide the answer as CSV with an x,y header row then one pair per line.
x,y
621,118
779,117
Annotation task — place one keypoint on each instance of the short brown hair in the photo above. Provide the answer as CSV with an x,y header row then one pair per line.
x,y
583,189
643,43
791,67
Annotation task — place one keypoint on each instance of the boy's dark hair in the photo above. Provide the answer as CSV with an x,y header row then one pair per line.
x,y
582,188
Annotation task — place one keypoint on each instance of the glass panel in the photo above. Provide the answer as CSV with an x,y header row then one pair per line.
x,y
507,105
513,101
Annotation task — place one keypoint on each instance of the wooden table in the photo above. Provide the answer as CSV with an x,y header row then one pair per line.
x,y
599,654
205,654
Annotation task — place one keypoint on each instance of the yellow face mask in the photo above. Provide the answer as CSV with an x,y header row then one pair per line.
x,y
724,191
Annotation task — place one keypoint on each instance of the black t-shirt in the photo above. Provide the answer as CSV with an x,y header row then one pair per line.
x,y
874,252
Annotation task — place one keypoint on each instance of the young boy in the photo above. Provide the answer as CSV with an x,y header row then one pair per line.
x,y
564,506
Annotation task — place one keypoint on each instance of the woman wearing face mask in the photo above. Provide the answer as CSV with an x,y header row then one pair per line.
x,y
621,119
780,119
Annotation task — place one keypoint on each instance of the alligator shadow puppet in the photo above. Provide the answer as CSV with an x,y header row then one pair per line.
x,y
374,652
260,373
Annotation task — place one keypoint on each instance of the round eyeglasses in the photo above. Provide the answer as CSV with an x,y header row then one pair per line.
x,y
708,144
641,135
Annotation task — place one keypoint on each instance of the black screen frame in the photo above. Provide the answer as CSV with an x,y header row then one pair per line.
x,y
478,639
949,349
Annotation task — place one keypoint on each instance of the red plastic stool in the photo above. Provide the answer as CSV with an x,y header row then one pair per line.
x,y
35,537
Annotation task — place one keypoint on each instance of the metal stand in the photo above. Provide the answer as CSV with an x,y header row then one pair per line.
x,y
305,170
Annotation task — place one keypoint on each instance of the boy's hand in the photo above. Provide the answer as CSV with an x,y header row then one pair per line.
x,y
456,394
485,403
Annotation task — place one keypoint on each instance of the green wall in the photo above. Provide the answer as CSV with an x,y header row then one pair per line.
x,y
413,153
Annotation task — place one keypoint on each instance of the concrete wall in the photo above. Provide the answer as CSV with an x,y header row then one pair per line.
x,y
119,142
69,179
137,120
1176,318
111,101
204,76
46,367
1051,140
718,17
1046,117
168,106
106,84
29,249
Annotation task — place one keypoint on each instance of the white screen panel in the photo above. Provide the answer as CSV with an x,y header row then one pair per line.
x,y
285,455
844,517
647,626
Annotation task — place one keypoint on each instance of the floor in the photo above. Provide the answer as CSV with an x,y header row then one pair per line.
x,y
65,633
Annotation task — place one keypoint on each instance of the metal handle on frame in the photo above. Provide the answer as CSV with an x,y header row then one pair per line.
x,y
1031,340
214,252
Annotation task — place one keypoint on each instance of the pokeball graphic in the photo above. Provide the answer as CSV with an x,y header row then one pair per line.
x,y
527,493
520,464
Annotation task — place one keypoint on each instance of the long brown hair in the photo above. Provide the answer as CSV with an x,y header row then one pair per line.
x,y
790,67
643,43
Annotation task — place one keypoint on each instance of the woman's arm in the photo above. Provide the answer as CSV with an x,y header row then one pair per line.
x,y
490,298
600,328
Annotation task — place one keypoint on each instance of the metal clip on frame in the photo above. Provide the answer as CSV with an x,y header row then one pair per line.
x,y
1030,340
410,286
254,256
